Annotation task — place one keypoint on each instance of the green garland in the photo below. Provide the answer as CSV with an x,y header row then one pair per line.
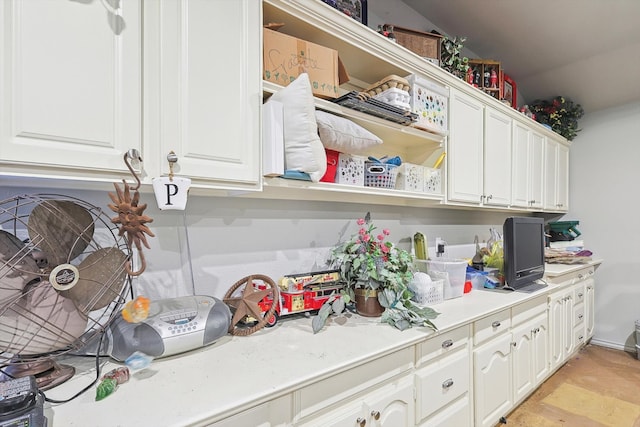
x,y
560,113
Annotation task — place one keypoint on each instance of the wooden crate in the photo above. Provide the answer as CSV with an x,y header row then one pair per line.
x,y
484,68
426,45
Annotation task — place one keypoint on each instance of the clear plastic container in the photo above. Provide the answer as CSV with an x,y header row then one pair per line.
x,y
456,272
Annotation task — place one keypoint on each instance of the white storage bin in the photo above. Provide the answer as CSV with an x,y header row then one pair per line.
x,y
430,101
410,177
432,180
350,169
453,271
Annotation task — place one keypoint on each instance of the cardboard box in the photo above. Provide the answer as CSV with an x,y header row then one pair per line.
x,y
286,57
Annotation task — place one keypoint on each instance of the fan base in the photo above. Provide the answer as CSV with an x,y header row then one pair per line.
x,y
48,373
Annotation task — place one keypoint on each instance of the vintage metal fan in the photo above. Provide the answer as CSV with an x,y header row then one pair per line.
x,y
63,277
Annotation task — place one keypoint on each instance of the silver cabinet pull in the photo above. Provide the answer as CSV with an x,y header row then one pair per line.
x,y
361,422
448,383
375,415
447,343
495,324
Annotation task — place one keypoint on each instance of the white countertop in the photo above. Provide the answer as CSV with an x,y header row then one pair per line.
x,y
235,373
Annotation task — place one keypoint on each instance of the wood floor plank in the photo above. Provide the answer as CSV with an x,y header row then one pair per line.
x,y
598,387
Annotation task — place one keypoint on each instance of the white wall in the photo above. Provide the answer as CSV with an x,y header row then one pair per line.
x,y
230,238
604,178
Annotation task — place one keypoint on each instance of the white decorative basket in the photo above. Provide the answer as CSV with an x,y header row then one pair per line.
x,y
432,293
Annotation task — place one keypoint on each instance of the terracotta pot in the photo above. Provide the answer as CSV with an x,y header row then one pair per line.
x,y
367,303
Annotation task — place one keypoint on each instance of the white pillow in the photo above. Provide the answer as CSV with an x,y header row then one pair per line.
x,y
343,135
303,150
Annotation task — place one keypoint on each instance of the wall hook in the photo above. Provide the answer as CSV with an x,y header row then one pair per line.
x,y
172,158
133,154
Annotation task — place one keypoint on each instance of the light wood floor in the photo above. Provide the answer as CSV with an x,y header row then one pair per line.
x,y
595,388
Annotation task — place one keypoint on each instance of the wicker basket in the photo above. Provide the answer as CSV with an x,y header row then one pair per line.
x,y
381,175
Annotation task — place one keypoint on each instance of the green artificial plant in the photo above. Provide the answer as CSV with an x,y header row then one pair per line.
x,y
451,58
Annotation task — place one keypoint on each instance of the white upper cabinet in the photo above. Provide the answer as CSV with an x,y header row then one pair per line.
x,y
203,90
527,168
497,158
556,176
479,153
465,156
71,86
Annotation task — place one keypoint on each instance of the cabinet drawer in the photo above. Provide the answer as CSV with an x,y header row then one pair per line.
x,y
341,387
579,336
578,294
491,326
528,310
442,382
578,314
440,345
457,414
573,277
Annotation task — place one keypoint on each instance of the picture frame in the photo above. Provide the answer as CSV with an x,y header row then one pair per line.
x,y
509,91
357,9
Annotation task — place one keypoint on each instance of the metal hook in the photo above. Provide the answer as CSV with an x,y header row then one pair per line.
x,y
172,158
133,154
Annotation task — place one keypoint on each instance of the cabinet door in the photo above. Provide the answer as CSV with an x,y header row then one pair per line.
x,y
204,88
465,149
540,349
536,173
497,158
589,306
523,359
556,328
562,180
492,380
71,86
391,405
520,170
550,173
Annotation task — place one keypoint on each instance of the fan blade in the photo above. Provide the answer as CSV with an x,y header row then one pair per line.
x,y
61,229
41,321
17,267
102,275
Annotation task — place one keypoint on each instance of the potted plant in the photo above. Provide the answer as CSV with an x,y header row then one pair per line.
x,y
376,274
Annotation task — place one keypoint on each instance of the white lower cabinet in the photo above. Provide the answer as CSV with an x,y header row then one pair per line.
x,y
589,306
492,380
530,356
389,405
561,326
442,377
377,393
510,359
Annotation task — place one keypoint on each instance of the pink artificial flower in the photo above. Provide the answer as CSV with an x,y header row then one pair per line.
x,y
360,221
386,232
380,237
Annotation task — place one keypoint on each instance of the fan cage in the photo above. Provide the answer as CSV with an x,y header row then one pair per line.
x,y
14,215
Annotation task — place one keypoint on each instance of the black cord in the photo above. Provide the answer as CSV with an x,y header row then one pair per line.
x,y
88,386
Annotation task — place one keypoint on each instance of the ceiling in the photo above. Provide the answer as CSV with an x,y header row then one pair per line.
x,y
586,50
